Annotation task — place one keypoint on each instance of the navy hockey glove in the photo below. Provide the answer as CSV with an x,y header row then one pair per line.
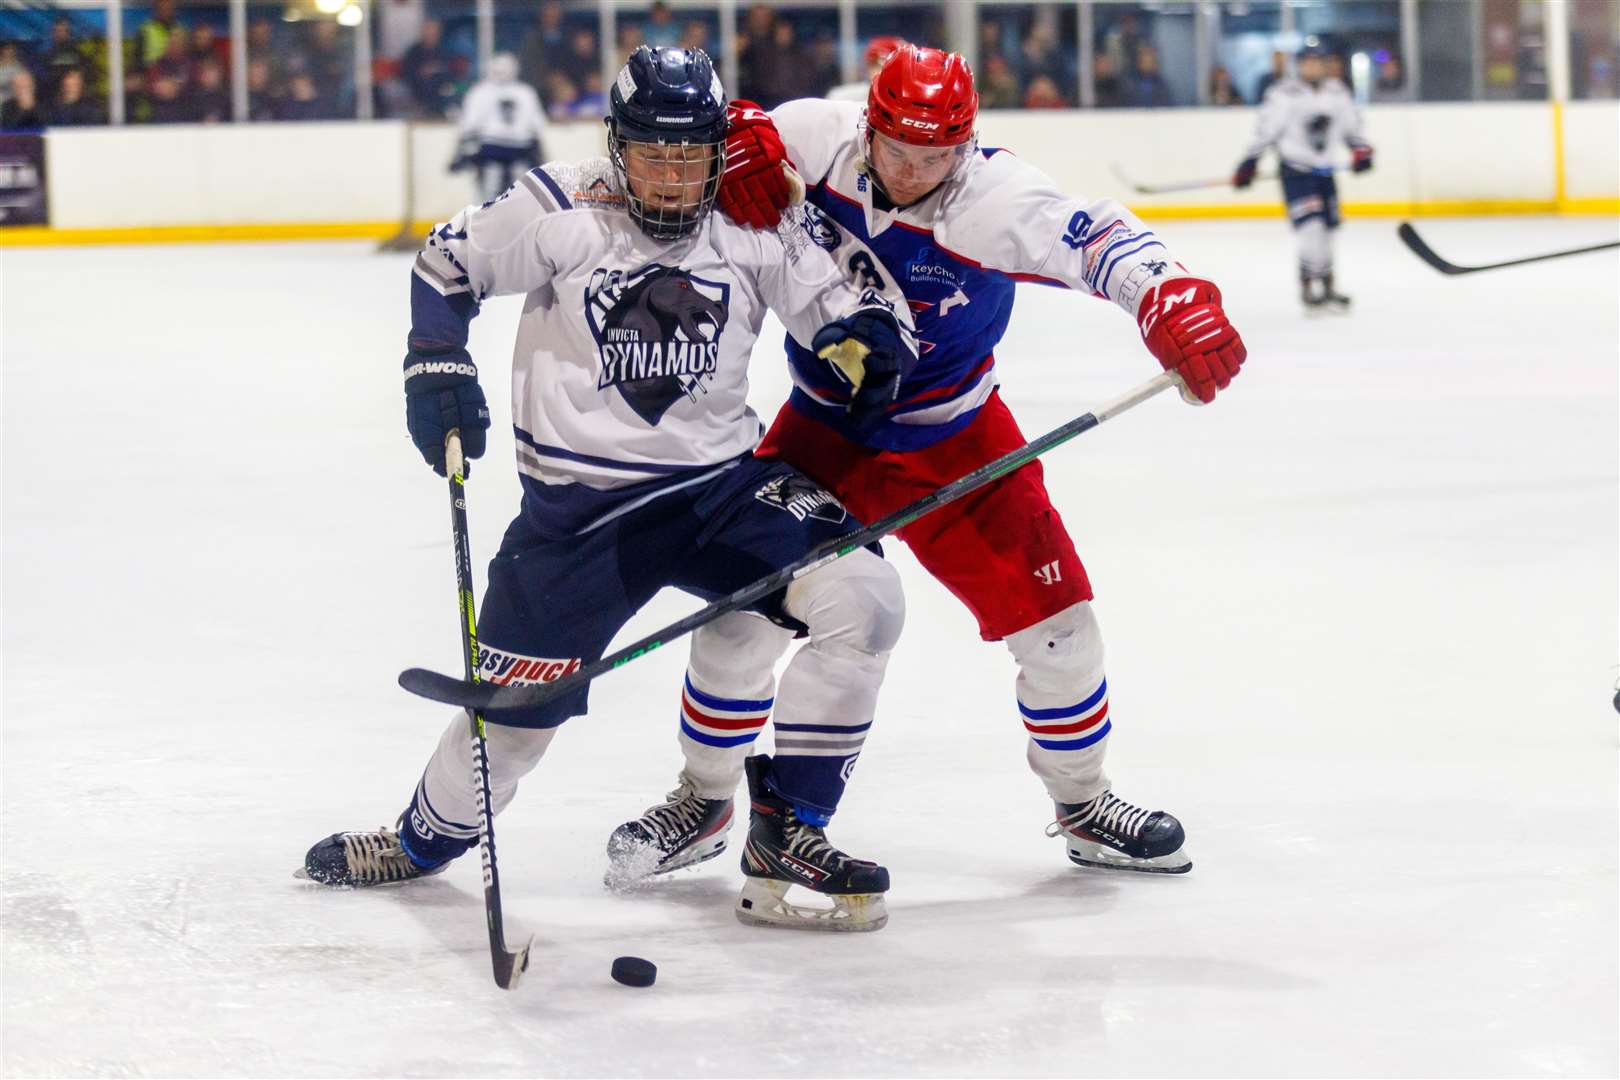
x,y
442,392
866,351
1245,173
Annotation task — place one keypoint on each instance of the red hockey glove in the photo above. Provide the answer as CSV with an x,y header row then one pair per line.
x,y
760,182
1184,327
1360,158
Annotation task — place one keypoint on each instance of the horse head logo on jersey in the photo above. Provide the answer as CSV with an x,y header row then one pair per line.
x,y
657,332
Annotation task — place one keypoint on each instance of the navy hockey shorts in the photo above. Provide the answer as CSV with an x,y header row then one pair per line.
x,y
555,600
1310,195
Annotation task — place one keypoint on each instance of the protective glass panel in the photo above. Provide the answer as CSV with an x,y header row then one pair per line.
x,y
177,63
1594,49
423,56
1146,55
53,66
787,52
1249,55
1363,38
300,61
559,53
1027,56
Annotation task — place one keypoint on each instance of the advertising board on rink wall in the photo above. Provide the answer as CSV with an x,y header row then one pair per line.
x,y
22,180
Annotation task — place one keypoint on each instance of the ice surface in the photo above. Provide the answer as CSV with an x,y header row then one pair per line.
x,y
1361,620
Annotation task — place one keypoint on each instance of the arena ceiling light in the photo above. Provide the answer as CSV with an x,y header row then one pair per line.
x,y
351,15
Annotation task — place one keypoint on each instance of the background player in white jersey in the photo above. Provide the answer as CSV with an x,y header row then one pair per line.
x,y
635,440
907,202
502,128
1305,117
878,50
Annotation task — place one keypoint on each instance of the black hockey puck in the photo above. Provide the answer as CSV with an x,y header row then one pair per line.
x,y
634,971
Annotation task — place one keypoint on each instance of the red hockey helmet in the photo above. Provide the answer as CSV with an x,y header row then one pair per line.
x,y
881,48
925,97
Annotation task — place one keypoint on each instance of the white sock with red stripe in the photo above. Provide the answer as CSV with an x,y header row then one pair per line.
x,y
1063,702
727,697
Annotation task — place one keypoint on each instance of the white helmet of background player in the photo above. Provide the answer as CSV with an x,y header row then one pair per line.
x,y
667,138
503,68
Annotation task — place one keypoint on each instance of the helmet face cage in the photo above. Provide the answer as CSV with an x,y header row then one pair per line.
x,y
678,181
666,138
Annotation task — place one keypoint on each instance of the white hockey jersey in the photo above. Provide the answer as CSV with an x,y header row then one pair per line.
x,y
954,259
1306,123
631,362
502,113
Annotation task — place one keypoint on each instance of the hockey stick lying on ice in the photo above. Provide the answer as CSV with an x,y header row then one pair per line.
x,y
1184,185
470,694
509,966
1410,237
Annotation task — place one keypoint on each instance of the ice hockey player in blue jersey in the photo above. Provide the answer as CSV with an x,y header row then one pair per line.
x,y
1305,117
635,450
908,203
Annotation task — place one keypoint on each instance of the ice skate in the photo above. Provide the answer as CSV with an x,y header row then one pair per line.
x,y
782,851
1109,832
1333,301
356,860
683,830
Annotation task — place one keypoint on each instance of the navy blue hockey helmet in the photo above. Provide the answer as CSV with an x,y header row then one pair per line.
x,y
667,134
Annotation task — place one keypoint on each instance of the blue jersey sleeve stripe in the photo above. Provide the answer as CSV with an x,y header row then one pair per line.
x,y
1103,287
551,186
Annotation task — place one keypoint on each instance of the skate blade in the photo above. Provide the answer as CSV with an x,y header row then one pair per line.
x,y
639,869
1085,853
763,902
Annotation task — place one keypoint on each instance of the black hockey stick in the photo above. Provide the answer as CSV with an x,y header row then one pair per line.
x,y
1410,237
471,694
509,966
1184,185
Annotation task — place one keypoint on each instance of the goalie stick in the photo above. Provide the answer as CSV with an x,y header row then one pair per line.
x,y
509,966
1409,236
471,694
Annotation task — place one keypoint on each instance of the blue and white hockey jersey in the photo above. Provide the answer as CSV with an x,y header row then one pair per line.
x,y
631,364
955,259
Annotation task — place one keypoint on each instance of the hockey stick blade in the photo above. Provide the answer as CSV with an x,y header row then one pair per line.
x,y
510,966
485,698
1184,185
1409,236
443,688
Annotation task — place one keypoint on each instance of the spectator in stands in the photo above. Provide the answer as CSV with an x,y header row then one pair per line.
x,y
660,30
63,54
210,98
582,58
592,103
21,109
998,86
543,48
559,95
331,65
754,52
261,43
1105,76
1043,55
1146,88
152,37
302,101
1391,82
1043,93
70,108
10,65
1279,69
1121,42
696,36
262,96
629,41
1221,90
206,45
167,94
426,70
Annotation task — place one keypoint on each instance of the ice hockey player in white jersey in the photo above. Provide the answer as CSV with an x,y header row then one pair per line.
x,y
909,204
1306,117
502,128
635,451
877,50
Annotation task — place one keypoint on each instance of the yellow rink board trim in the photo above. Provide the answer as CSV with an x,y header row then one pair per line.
x,y
44,236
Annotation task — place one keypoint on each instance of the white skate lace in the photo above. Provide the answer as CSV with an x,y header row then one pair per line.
x,y
810,843
1108,811
679,813
377,857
